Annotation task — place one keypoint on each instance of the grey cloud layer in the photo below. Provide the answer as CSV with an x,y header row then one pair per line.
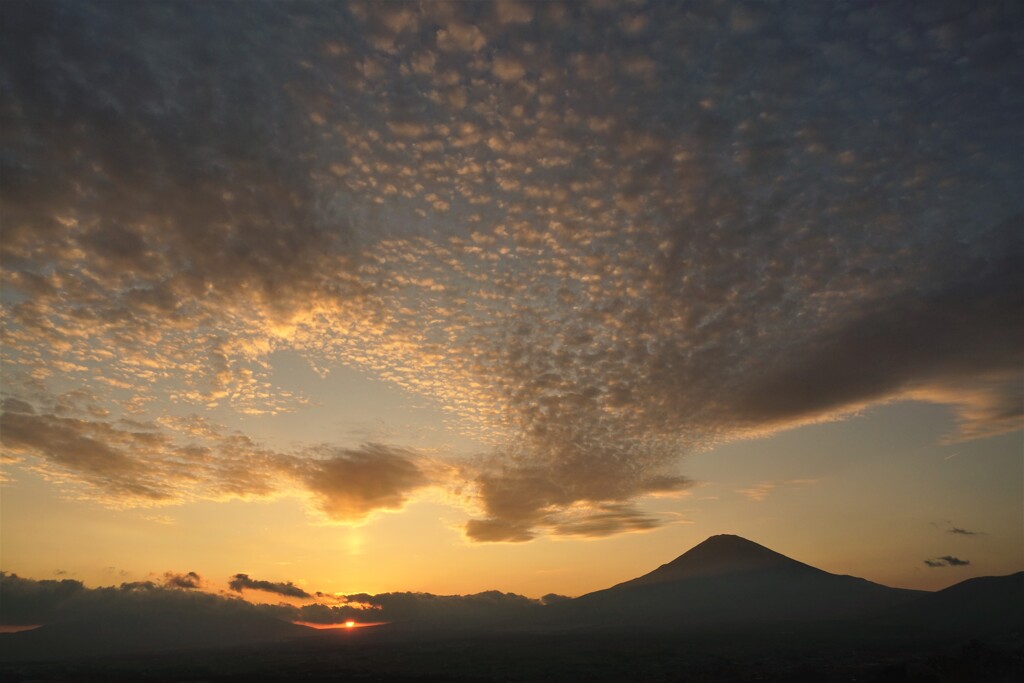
x,y
28,601
600,237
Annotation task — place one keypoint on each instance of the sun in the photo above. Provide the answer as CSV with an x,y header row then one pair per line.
x,y
350,624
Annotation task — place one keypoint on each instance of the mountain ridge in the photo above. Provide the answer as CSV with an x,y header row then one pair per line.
x,y
725,584
726,581
719,555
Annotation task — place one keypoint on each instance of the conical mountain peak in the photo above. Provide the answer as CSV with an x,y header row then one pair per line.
x,y
721,555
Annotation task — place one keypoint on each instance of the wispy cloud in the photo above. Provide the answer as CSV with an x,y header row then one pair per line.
x,y
240,582
758,492
762,490
947,561
187,581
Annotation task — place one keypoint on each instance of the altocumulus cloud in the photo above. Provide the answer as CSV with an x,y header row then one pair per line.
x,y
600,237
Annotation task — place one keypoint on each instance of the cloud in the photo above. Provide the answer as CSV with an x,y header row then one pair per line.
x,y
461,610
512,12
350,483
187,581
664,234
518,502
606,520
240,582
27,601
92,449
508,69
135,617
965,328
762,490
34,602
758,492
144,466
14,405
461,37
947,561
964,532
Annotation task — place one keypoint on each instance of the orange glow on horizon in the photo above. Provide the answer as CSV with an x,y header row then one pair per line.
x,y
341,626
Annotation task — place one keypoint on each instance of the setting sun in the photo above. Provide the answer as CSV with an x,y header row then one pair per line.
x,y
350,624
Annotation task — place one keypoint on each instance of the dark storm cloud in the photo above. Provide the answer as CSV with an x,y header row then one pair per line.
x,y
240,582
947,561
598,236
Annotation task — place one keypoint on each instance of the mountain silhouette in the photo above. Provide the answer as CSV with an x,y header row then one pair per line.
x,y
727,587
730,581
719,555
980,607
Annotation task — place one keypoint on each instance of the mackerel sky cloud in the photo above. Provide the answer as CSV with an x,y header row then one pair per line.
x,y
600,238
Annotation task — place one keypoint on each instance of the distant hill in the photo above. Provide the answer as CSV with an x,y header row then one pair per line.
x,y
730,581
727,588
979,607
144,633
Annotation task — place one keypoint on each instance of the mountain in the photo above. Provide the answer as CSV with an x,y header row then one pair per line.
x,y
720,555
733,590
979,607
728,581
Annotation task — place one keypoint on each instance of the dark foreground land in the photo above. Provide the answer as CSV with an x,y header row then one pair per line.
x,y
380,655
726,610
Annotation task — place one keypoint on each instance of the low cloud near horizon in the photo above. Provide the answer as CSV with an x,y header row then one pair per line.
x,y
240,582
31,602
598,237
964,532
946,561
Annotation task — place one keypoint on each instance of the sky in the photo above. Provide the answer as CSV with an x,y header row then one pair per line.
x,y
448,297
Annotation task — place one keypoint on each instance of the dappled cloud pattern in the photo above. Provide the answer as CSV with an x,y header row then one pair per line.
x,y
600,237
